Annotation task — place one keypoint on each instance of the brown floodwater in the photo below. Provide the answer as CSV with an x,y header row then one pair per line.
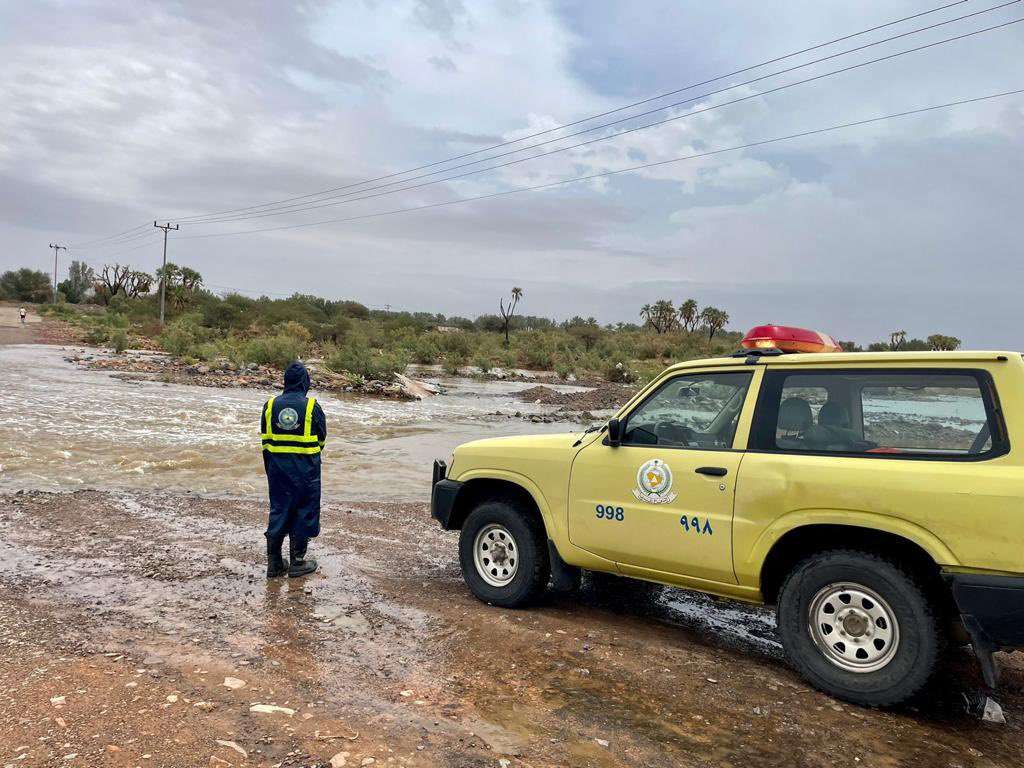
x,y
64,428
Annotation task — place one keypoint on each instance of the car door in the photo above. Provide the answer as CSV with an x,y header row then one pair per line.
x,y
663,500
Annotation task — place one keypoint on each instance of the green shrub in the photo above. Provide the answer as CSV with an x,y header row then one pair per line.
x,y
618,371
482,362
96,335
357,357
456,343
424,350
534,349
278,350
453,363
564,369
119,340
180,336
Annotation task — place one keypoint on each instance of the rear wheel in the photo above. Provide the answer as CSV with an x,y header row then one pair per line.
x,y
860,627
503,554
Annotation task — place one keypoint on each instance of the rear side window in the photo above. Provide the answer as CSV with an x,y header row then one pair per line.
x,y
886,412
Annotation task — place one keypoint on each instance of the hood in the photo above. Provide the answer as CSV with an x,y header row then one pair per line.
x,y
521,442
296,378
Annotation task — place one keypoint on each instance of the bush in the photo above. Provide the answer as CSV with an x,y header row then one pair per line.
x,y
424,350
119,340
278,350
181,336
482,362
453,363
617,371
357,357
534,349
96,335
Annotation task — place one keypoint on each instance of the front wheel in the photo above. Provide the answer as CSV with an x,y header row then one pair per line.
x,y
503,553
859,627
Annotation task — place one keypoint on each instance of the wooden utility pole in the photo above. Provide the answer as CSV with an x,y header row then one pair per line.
x,y
56,249
163,272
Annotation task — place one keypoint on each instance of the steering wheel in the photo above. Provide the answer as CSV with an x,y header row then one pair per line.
x,y
670,433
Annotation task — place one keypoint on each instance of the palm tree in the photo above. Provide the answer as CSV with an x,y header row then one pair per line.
x,y
714,320
663,315
689,314
506,314
645,313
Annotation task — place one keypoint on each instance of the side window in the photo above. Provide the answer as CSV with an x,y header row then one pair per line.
x,y
883,412
697,411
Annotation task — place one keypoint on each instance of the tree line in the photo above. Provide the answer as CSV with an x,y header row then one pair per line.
x,y
663,316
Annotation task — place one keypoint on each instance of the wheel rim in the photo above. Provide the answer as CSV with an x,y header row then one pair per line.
x,y
853,627
496,555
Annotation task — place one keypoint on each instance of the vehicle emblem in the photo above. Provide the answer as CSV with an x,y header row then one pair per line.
x,y
654,483
288,418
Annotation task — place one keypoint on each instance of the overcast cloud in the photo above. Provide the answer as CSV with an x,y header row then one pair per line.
x,y
116,113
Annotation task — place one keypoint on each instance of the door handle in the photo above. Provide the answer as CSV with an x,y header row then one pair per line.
x,y
712,471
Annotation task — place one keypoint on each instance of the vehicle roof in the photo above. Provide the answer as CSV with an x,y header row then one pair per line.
x,y
861,358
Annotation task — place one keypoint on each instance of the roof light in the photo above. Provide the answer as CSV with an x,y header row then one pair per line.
x,y
789,339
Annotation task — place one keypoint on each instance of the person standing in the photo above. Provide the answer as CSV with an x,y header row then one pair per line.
x,y
22,313
293,429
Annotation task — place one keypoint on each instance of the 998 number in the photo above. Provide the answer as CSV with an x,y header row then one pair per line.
x,y
610,513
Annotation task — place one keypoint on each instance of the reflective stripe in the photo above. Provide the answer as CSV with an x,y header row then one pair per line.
x,y
277,442
290,449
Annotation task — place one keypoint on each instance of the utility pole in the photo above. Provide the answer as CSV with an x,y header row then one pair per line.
x,y
56,249
163,272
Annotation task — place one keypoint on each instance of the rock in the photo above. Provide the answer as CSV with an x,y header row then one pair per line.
x,y
602,742
270,709
233,683
234,746
339,760
498,373
58,701
993,713
216,762
367,761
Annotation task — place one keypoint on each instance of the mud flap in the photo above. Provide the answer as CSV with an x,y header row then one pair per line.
x,y
983,649
564,577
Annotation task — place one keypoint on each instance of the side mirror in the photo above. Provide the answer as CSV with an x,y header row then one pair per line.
x,y
614,433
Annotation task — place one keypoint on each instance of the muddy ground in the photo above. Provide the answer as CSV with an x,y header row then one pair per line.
x,y
122,615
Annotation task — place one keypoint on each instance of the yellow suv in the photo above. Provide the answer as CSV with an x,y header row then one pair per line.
x,y
877,499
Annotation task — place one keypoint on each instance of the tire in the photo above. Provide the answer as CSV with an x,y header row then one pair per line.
x,y
519,571
883,662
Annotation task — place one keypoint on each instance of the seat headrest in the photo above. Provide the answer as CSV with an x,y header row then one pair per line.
x,y
834,414
795,415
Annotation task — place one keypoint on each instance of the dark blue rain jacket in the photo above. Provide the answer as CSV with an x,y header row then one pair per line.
x,y
293,429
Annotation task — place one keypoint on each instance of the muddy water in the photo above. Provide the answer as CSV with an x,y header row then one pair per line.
x,y
63,428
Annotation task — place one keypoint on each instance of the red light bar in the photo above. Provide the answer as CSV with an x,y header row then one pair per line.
x,y
789,339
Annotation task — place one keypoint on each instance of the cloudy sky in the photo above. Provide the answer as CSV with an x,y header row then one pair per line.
x,y
116,113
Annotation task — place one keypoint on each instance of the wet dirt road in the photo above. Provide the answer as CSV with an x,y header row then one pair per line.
x,y
122,614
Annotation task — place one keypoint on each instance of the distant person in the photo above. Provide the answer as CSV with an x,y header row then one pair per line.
x,y
22,313
293,429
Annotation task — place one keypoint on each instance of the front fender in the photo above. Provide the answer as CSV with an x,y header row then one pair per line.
x,y
554,530
750,566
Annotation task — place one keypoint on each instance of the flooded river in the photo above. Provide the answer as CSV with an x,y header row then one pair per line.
x,y
66,428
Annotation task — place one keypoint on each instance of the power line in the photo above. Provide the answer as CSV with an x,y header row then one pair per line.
x,y
645,126
191,219
605,174
108,237
116,243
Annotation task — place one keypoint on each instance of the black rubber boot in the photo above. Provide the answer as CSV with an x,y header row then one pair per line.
x,y
300,565
275,563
